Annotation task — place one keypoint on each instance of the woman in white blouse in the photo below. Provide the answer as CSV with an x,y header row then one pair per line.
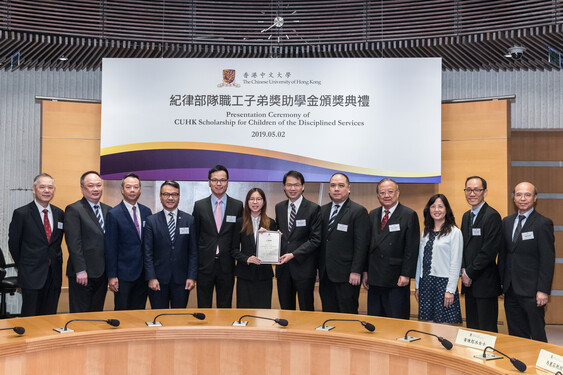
x,y
439,264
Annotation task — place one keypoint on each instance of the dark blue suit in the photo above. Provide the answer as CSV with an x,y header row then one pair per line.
x,y
124,257
171,263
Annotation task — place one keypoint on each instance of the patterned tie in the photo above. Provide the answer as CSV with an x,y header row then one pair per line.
x,y
171,226
518,229
135,221
217,215
385,219
99,216
471,219
46,224
292,218
333,216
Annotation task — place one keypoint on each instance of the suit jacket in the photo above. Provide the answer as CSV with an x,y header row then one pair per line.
x,y
303,241
481,245
85,239
344,247
30,249
528,265
393,251
208,238
124,254
170,261
244,246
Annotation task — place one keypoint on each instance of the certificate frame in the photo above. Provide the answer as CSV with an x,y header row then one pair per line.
x,y
268,246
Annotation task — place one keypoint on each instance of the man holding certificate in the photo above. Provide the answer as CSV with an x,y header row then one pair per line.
x,y
344,247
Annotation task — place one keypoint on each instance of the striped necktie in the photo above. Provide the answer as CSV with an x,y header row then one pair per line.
x,y
333,216
171,226
518,228
292,218
98,213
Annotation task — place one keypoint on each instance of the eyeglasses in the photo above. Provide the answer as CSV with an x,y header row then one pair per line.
x,y
170,195
520,195
476,191
293,185
216,180
255,200
384,193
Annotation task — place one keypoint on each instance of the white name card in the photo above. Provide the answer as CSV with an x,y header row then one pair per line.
x,y
549,361
475,340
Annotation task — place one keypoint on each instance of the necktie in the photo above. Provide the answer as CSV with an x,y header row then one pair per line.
x,y
385,219
471,219
292,218
99,216
171,226
217,215
518,229
333,216
135,221
46,224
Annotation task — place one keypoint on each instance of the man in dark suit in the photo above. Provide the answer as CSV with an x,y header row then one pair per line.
x,y
299,221
124,254
84,235
526,264
35,236
215,219
393,252
170,251
344,247
481,229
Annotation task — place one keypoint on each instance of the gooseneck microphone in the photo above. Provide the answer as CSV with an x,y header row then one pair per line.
x,y
18,330
240,322
445,342
370,327
518,364
154,323
111,322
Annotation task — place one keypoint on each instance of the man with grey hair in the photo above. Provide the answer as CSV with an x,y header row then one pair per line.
x,y
35,236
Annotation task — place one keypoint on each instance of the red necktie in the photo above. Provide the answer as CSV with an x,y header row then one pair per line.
x,y
46,224
385,219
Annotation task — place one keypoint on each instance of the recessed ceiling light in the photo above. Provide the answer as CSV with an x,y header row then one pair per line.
x,y
63,58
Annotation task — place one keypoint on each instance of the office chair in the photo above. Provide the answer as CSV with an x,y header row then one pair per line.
x,y
8,285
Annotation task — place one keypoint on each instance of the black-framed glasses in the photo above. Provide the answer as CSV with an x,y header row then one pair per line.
x,y
476,191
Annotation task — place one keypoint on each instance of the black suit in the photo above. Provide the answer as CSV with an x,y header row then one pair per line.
x,y
254,282
344,248
215,270
85,240
393,252
39,261
526,267
299,274
481,245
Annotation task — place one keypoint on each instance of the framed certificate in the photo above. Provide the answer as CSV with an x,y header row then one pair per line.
x,y
268,245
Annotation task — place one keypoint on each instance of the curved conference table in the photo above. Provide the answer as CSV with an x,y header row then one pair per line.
x,y
185,345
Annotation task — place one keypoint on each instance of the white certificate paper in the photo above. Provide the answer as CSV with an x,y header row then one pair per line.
x,y
268,245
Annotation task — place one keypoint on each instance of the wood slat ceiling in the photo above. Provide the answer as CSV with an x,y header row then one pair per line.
x,y
467,34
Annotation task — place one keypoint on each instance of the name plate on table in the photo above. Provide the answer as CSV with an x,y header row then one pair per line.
x,y
549,361
475,340
268,245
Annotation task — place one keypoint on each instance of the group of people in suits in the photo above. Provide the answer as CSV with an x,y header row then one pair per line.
x,y
166,254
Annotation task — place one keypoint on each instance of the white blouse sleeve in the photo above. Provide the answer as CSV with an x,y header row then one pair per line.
x,y
419,260
456,251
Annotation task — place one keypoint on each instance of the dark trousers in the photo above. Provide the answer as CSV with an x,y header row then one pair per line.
x,y
87,298
338,297
223,283
523,317
132,295
254,294
42,301
289,287
169,296
481,313
390,302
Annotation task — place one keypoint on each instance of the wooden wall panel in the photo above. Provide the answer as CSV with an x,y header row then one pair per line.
x,y
537,145
546,179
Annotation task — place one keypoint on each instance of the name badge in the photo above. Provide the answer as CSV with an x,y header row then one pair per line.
x,y
527,236
394,227
342,227
301,223
475,340
185,230
60,225
476,231
231,219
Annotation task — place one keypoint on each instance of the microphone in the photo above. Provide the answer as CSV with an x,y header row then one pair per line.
x,y
370,327
154,323
239,322
445,342
111,322
18,330
518,364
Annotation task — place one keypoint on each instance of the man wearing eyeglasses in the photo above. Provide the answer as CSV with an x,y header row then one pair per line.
x,y
481,229
526,264
170,251
215,218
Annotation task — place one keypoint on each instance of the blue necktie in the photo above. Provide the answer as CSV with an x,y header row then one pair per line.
x,y
98,213
171,226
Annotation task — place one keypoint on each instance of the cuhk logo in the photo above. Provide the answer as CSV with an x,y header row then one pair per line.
x,y
228,78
